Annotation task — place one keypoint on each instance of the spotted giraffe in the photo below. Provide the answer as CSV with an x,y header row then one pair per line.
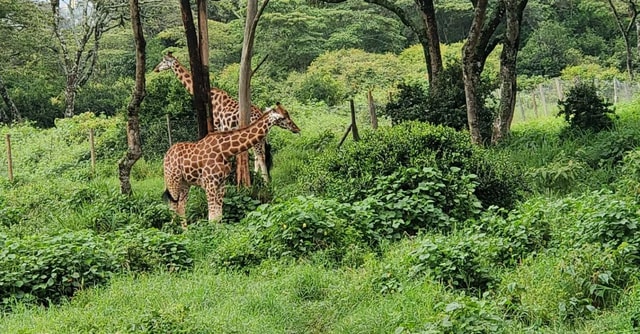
x,y
205,163
224,108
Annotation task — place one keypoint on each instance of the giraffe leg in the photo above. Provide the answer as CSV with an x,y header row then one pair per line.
x,y
215,189
260,163
182,204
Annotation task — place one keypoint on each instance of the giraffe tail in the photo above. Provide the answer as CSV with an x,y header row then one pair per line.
x,y
167,197
268,158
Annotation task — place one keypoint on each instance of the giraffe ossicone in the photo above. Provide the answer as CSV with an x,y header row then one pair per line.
x,y
225,109
205,163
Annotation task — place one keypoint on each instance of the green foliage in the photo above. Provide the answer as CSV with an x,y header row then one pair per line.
x,y
583,109
147,249
357,70
165,321
302,225
466,315
444,105
416,199
165,95
348,173
549,49
523,232
104,98
607,219
463,260
108,210
561,175
47,268
320,87
595,277
591,72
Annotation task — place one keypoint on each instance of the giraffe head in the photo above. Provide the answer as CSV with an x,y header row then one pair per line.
x,y
281,118
168,61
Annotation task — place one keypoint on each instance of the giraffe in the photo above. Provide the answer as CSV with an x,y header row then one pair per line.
x,y
205,163
224,108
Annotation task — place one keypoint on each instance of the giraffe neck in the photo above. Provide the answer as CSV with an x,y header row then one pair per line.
x,y
243,139
184,76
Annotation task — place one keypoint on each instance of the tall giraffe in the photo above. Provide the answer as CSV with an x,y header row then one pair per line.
x,y
205,163
224,108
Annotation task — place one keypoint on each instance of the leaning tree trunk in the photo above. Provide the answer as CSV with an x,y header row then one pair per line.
x,y
244,84
133,109
508,87
14,113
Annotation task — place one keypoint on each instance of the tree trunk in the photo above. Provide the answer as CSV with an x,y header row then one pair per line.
x,y
203,28
508,86
471,70
244,84
70,92
433,39
133,122
626,31
14,113
199,98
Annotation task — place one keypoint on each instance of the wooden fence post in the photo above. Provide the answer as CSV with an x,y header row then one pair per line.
x,y
9,160
615,91
524,117
559,89
354,128
372,111
535,105
543,100
93,150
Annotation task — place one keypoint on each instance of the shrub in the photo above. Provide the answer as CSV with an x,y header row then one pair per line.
x,y
416,199
466,315
48,268
464,260
146,249
444,105
561,175
522,232
583,109
320,87
106,211
594,277
348,173
302,225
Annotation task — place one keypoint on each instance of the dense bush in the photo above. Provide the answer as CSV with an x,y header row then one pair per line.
x,y
523,231
584,109
106,210
594,277
416,199
47,268
302,225
320,87
463,260
140,249
350,172
444,104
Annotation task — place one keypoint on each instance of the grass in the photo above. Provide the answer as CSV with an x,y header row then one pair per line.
x,y
374,294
